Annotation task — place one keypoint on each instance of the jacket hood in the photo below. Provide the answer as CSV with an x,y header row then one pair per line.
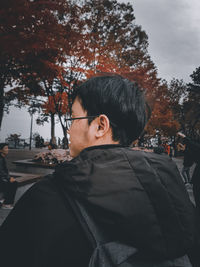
x,y
136,197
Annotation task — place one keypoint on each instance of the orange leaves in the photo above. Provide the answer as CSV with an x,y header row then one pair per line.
x,y
162,118
50,46
32,38
57,103
156,92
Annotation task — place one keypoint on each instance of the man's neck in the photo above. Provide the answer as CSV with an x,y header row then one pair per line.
x,y
106,140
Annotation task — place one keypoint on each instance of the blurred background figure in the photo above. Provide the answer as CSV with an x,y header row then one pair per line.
x,y
8,185
187,163
194,148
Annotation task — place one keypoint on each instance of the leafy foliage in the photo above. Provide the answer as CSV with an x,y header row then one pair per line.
x,y
192,106
162,117
32,43
59,44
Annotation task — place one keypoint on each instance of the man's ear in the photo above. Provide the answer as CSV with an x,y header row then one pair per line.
x,y
103,126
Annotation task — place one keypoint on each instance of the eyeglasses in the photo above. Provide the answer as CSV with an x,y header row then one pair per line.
x,y
70,120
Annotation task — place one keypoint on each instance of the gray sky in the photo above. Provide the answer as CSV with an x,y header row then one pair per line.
x,y
173,27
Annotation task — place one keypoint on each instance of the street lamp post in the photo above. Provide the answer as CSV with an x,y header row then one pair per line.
x,y
30,141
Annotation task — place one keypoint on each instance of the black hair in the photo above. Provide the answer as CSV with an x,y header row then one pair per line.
x,y
120,100
2,145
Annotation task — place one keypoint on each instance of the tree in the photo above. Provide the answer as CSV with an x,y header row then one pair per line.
x,y
102,45
15,138
162,117
192,105
33,41
57,104
81,40
177,93
109,40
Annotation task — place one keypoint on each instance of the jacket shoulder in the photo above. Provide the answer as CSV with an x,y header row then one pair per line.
x,y
42,223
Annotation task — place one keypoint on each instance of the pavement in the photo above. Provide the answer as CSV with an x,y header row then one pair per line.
x,y
20,154
13,155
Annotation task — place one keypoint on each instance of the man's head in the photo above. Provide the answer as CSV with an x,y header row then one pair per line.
x,y
116,110
3,149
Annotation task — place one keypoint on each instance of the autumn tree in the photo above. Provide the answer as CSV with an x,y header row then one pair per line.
x,y
56,105
162,117
32,47
104,37
61,43
110,40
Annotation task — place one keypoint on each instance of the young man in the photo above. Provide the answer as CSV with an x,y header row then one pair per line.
x,y
8,185
137,198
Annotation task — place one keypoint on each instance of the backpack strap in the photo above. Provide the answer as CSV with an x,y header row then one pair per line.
x,y
76,207
97,234
93,234
106,253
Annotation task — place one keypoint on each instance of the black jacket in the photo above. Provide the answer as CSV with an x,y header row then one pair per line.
x,y
4,174
194,148
137,197
188,158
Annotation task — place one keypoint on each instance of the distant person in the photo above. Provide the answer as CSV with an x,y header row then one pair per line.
x,y
168,149
194,148
41,141
8,185
136,198
181,147
171,152
52,146
159,149
187,163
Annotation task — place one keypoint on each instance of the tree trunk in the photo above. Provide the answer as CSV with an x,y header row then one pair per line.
x,y
65,142
2,85
52,127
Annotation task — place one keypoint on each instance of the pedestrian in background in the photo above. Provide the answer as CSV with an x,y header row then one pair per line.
x,y
194,148
8,185
187,163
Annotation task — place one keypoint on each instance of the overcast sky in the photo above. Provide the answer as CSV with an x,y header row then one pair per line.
x,y
173,28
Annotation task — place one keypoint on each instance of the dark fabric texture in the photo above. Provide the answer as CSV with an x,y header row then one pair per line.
x,y
4,174
194,149
9,189
110,254
138,198
188,158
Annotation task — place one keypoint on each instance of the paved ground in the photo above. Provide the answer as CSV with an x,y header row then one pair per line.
x,y
19,154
